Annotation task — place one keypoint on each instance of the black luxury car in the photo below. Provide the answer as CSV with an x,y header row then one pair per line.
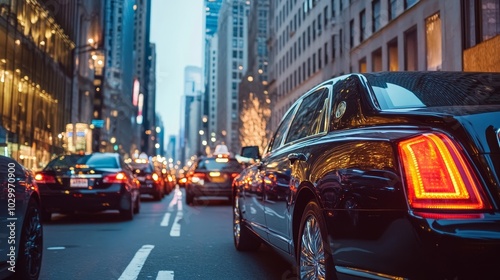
x,y
212,176
381,176
88,183
21,234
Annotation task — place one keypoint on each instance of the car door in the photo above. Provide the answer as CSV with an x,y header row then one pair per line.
x,y
308,120
253,192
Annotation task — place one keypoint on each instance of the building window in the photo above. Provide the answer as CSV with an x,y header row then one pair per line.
x,y
410,3
319,59
411,54
333,8
314,63
375,15
314,30
362,65
326,52
433,42
351,33
377,60
482,21
341,41
392,49
392,9
333,48
362,25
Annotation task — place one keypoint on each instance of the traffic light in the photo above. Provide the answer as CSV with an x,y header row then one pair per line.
x,y
115,147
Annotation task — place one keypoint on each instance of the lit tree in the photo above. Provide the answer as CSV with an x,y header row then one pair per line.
x,y
254,117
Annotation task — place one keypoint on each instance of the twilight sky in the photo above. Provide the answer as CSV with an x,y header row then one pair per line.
x,y
177,31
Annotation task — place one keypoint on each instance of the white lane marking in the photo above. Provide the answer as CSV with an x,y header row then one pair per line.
x,y
166,218
176,227
56,248
135,266
165,275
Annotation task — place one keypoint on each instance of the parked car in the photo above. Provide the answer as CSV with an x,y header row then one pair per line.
x,y
212,176
381,176
150,178
21,238
89,183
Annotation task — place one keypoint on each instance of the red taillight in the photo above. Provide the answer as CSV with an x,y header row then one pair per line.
x,y
44,179
233,175
198,178
117,178
438,176
155,177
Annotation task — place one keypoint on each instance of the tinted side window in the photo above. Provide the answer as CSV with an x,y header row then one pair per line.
x,y
280,132
346,112
309,117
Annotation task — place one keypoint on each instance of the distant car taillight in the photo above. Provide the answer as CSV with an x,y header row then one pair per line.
x,y
438,175
44,179
117,178
198,178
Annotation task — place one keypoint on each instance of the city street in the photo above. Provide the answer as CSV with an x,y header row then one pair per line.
x,y
166,240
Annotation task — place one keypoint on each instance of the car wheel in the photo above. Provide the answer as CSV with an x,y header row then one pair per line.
x,y
189,197
46,216
31,244
313,252
127,211
157,196
137,207
244,239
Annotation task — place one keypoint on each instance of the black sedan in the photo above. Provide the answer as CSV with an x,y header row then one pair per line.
x,y
381,176
211,176
88,183
21,234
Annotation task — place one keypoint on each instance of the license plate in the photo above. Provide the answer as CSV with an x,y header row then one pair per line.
x,y
78,183
218,179
141,178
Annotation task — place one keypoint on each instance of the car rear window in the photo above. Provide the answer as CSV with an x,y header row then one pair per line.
x,y
99,161
219,164
144,167
434,89
63,162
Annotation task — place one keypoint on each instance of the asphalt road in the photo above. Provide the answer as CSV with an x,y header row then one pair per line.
x,y
166,240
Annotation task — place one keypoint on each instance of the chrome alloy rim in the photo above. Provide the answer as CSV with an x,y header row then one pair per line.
x,y
236,221
33,245
312,252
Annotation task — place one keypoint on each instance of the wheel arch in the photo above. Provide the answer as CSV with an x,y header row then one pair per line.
x,y
304,196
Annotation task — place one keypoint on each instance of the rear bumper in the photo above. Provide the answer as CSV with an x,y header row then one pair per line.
x,y
150,188
210,189
416,248
84,200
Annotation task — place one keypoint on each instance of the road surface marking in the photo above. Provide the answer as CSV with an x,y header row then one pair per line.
x,y
165,275
176,227
166,218
56,248
135,266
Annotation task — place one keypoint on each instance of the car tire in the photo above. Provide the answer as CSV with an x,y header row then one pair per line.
x,y
46,216
31,244
137,207
244,239
157,196
314,257
128,214
189,197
